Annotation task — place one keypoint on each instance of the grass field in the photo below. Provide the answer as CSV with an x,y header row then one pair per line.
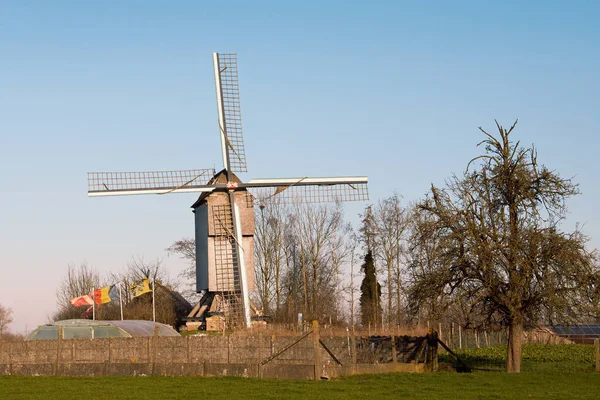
x,y
442,385
536,358
550,372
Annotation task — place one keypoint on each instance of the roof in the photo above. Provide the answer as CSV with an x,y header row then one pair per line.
x,y
582,333
220,177
92,329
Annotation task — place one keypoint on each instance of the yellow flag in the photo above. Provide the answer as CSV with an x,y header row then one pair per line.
x,y
102,295
140,287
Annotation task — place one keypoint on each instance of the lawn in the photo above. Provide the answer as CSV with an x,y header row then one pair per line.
x,y
550,372
441,385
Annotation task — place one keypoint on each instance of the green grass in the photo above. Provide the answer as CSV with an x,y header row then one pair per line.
x,y
536,357
442,385
576,353
550,372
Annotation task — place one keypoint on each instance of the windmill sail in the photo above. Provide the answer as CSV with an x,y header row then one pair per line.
x,y
230,118
310,190
149,182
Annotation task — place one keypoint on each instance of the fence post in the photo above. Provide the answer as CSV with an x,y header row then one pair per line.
x,y
228,348
110,355
597,346
316,345
154,348
272,344
431,361
58,349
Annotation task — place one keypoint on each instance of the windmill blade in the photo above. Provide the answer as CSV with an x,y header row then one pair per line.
x,y
149,182
310,190
241,261
228,105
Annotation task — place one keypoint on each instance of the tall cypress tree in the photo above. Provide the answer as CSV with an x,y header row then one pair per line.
x,y
370,293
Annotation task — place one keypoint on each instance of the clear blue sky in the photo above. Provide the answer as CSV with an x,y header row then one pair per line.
x,y
393,90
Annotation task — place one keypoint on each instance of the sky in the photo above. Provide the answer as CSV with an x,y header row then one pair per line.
x,y
392,90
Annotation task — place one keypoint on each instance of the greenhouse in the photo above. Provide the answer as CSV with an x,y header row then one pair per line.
x,y
90,329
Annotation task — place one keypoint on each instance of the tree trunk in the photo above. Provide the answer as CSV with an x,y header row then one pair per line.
x,y
515,344
390,291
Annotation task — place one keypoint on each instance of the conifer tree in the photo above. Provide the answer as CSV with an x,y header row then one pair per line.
x,y
370,293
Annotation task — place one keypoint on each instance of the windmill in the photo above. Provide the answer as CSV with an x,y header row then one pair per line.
x,y
224,216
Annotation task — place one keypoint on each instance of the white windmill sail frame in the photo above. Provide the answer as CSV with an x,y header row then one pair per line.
x,y
149,182
220,111
149,191
228,107
336,180
242,265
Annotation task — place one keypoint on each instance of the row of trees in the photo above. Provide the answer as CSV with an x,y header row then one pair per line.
x,y
488,249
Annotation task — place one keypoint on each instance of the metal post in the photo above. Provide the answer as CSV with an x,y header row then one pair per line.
x,y
121,301
153,305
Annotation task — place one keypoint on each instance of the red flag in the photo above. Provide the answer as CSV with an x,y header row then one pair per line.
x,y
82,301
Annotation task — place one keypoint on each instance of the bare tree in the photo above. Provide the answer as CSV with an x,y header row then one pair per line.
x,y
186,249
170,306
272,223
500,247
5,319
315,247
387,225
78,281
591,295
352,288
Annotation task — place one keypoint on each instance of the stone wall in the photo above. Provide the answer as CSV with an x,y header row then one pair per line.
x,y
249,356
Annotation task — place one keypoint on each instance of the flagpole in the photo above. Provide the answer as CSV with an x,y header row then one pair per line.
x,y
153,306
121,300
93,304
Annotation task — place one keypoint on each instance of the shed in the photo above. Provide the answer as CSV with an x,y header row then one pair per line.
x,y
91,329
581,334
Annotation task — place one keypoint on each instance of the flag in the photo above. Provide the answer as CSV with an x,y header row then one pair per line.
x,y
85,300
101,295
140,287
113,292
